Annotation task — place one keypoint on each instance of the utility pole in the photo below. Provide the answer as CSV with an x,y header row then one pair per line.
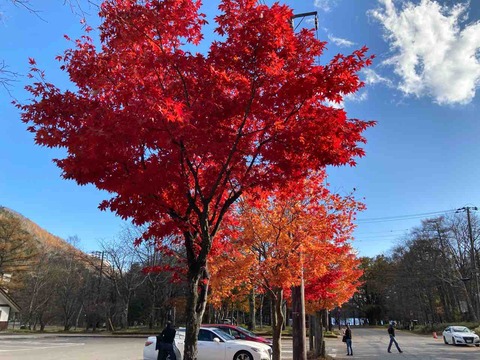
x,y
298,325
304,15
476,287
298,292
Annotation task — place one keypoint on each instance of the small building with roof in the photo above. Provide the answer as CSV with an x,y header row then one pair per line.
x,y
7,307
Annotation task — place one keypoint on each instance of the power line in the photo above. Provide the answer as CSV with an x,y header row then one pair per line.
x,y
403,217
381,232
361,238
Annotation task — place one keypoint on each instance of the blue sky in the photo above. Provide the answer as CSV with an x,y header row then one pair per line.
x,y
422,90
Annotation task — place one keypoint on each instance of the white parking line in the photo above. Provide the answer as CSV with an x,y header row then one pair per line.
x,y
45,345
332,353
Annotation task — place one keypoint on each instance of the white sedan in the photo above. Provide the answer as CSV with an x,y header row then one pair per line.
x,y
213,344
457,335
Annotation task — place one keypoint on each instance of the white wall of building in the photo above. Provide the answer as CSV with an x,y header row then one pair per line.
x,y
4,310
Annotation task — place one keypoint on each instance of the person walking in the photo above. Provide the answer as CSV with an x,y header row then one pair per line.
x,y
391,332
165,343
348,340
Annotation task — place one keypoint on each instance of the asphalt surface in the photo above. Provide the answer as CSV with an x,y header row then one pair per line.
x,y
367,344
83,347
48,347
372,344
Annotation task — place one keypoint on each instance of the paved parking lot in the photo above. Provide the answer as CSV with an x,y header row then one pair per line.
x,y
51,347
372,343
368,344
61,348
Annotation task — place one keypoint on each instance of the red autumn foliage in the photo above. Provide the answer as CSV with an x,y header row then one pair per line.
x,y
177,136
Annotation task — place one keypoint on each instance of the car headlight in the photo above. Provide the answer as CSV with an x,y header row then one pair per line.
x,y
259,350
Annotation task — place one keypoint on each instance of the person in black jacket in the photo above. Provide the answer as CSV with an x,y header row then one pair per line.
x,y
165,343
391,332
348,340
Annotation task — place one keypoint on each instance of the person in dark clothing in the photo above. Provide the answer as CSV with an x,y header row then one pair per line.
x,y
348,340
165,343
391,332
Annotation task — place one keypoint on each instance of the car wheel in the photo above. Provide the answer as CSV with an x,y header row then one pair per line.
x,y
453,341
243,355
477,345
445,340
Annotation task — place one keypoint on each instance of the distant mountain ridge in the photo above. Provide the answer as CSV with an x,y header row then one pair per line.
x,y
42,236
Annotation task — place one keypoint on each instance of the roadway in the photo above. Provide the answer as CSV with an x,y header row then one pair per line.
x,y
372,343
80,347
368,343
48,347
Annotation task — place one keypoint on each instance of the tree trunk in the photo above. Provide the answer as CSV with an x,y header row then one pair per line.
x,y
252,320
322,325
471,310
277,323
78,316
317,325
329,321
311,333
298,318
125,315
262,297
196,302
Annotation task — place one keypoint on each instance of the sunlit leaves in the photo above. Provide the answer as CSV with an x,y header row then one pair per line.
x,y
299,230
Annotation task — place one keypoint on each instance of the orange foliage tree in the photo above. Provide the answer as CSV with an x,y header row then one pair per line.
x,y
299,230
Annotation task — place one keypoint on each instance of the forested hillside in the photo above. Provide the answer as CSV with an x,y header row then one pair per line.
x,y
57,284
39,236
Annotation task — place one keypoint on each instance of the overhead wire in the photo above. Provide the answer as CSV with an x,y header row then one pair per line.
x,y
387,235
403,217
384,232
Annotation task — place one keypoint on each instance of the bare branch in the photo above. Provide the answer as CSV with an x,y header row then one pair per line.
x,y
7,77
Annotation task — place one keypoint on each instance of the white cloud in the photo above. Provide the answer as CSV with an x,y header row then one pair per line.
x,y
357,97
432,53
325,5
372,78
340,42
335,105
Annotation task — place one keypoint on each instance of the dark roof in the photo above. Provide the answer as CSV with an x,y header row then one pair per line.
x,y
10,301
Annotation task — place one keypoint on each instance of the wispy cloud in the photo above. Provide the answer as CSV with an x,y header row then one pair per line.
x,y
357,97
372,78
335,105
434,52
325,5
340,42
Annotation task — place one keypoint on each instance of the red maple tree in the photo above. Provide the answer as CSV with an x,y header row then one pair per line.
x,y
177,136
337,285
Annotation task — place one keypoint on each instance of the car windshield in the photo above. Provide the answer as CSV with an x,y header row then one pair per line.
x,y
222,334
460,329
248,332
